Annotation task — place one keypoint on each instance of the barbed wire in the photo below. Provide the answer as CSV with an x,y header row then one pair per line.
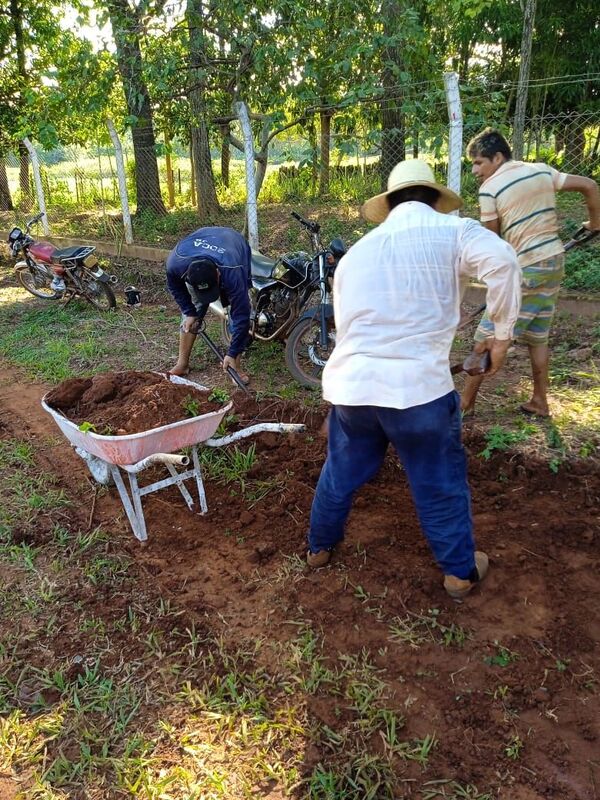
x,y
382,94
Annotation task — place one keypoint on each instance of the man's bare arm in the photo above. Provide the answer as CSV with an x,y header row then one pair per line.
x,y
589,189
493,225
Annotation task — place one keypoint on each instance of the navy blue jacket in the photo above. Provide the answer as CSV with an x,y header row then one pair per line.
x,y
232,254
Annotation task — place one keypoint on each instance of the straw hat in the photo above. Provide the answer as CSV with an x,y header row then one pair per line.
x,y
409,173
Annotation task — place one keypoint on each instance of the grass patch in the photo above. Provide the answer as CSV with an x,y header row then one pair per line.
x,y
55,342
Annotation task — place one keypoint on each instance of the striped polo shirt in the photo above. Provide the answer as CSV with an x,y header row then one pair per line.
x,y
522,196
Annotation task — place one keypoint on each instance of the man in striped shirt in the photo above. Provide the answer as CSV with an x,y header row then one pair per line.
x,y
518,201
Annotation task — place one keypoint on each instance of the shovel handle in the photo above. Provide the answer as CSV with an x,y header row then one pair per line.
x,y
233,373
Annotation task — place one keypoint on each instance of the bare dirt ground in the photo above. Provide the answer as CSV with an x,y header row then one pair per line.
x,y
507,682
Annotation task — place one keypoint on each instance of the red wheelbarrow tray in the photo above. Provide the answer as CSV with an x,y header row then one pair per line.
x,y
131,448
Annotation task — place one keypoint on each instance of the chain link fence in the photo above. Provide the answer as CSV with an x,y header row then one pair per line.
x,y
331,162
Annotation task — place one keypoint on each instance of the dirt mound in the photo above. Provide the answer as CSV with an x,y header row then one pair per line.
x,y
119,403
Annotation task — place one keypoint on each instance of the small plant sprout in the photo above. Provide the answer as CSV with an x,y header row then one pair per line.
x,y
514,747
502,658
191,406
86,427
219,396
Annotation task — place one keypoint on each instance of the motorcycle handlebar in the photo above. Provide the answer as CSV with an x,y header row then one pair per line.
x,y
35,219
313,227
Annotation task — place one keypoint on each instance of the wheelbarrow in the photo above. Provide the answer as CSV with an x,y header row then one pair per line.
x,y
107,456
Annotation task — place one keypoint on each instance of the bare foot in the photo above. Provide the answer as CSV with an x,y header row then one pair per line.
x,y
532,409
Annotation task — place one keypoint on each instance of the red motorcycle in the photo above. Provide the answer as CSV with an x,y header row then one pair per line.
x,y
52,274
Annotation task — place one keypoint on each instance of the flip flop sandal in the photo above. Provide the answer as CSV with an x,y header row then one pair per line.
x,y
529,413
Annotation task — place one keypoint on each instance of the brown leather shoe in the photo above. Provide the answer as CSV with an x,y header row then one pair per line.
x,y
320,559
460,587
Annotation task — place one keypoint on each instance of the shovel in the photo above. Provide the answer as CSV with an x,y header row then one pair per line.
x,y
233,373
474,364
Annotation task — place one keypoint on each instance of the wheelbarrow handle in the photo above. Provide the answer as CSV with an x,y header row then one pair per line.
x,y
233,373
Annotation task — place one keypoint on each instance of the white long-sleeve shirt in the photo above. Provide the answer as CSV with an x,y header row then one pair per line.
x,y
396,298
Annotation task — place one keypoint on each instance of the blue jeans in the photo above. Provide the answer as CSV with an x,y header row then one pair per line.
x,y
427,439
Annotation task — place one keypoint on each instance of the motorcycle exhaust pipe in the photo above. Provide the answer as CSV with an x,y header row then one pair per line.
x,y
113,279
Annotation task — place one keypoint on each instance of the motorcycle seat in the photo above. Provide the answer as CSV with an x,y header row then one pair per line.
x,y
70,253
261,266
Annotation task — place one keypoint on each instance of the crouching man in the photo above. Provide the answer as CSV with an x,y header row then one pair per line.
x,y
209,264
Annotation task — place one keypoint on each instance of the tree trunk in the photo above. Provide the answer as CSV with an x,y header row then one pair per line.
x,y
523,86
192,176
16,15
6,203
325,152
169,170
574,146
126,32
314,156
393,144
559,140
225,154
208,203
465,57
262,157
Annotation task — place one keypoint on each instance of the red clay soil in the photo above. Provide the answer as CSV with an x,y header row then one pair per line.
x,y
236,568
119,403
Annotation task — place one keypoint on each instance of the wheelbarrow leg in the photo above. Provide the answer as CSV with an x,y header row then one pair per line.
x,y
181,486
199,481
139,511
136,520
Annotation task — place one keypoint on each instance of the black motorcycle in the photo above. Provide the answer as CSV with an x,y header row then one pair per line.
x,y
283,308
52,274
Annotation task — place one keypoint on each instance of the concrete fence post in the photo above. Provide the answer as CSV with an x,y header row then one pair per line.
x,y
455,138
122,181
251,206
39,189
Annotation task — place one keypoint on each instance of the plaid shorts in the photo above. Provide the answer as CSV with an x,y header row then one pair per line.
x,y
540,283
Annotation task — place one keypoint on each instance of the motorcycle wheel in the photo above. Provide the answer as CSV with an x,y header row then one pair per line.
x,y
225,332
99,294
304,355
37,284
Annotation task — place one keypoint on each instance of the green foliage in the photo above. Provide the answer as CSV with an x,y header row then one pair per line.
x,y
499,438
582,269
191,406
514,747
219,396
555,442
229,465
86,427
502,658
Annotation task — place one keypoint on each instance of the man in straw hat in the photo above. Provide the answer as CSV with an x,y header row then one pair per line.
x,y
396,302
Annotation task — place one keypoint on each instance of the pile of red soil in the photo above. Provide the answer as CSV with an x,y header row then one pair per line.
x,y
120,403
